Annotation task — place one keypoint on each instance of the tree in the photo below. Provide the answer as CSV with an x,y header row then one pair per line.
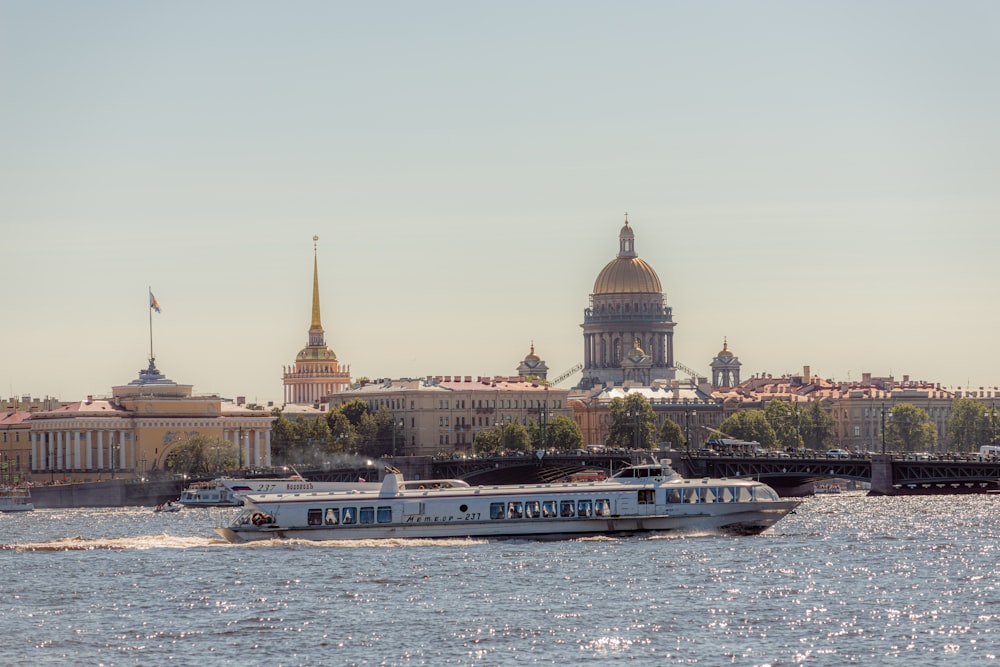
x,y
969,425
202,455
785,419
486,442
633,422
910,430
816,427
562,433
672,434
513,437
354,410
750,425
284,436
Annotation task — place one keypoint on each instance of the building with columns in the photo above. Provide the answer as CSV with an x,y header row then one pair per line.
x,y
441,415
628,329
725,368
130,434
316,372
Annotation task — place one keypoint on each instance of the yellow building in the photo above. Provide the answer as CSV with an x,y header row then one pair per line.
x,y
316,373
131,434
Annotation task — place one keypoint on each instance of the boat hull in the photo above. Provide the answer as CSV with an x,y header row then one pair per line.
x,y
749,520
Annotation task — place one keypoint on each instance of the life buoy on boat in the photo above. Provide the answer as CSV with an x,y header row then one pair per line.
x,y
257,519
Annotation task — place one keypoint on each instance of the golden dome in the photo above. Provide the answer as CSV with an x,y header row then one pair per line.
x,y
725,352
626,273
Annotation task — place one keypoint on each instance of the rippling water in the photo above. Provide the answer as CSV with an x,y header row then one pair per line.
x,y
846,579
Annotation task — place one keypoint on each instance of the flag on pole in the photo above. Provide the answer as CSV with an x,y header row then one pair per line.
x,y
153,303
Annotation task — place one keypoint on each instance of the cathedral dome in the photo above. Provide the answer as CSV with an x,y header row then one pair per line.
x,y
627,273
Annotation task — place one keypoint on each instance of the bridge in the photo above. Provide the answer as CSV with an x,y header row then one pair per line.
x,y
886,474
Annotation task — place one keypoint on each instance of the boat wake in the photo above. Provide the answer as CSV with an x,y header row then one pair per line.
x,y
115,543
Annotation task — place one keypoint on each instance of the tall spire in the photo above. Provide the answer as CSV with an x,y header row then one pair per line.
x,y
316,327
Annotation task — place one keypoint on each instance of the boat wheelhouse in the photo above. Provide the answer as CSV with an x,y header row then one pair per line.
x,y
638,499
209,494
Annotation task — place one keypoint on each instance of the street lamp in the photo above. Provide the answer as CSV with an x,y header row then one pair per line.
x,y
687,430
883,426
395,426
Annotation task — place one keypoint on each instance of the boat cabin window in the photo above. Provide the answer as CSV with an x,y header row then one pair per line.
x,y
315,517
709,494
647,496
765,493
566,508
497,511
727,494
548,509
746,494
385,514
584,508
692,495
531,509
332,516
674,496
602,507
366,515
350,514
514,510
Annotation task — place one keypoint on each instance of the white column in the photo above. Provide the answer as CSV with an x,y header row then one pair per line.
x,y
100,449
257,458
88,449
34,450
76,450
246,450
59,449
267,449
123,453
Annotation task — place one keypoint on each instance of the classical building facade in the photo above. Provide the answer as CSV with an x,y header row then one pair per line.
x,y
442,415
130,434
627,312
861,409
316,372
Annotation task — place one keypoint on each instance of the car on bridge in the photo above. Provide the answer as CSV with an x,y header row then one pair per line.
x,y
838,454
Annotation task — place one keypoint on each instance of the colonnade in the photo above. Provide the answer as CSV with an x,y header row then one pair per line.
x,y
94,449
254,444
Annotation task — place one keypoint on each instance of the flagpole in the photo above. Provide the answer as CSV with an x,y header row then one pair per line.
x,y
149,289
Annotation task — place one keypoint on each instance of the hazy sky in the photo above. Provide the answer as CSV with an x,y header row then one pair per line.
x,y
818,182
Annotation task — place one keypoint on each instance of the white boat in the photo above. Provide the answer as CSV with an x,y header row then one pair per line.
x,y
168,507
209,494
15,499
641,498
296,484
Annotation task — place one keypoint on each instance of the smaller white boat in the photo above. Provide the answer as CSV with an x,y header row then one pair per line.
x,y
209,494
167,507
15,499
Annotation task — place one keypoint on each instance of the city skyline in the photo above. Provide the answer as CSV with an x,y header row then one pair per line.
x,y
814,184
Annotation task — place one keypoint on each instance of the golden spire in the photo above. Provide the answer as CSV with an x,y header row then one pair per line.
x,y
316,326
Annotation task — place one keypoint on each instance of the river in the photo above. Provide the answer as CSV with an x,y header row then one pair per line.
x,y
845,579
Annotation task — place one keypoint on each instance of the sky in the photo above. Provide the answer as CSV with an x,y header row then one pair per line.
x,y
816,183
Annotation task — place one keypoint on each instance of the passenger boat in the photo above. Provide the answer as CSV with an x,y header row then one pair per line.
x,y
15,499
296,484
209,494
642,498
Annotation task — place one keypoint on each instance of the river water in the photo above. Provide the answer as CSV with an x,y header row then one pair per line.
x,y
846,579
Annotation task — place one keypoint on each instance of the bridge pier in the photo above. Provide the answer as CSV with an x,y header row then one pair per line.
x,y
881,476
